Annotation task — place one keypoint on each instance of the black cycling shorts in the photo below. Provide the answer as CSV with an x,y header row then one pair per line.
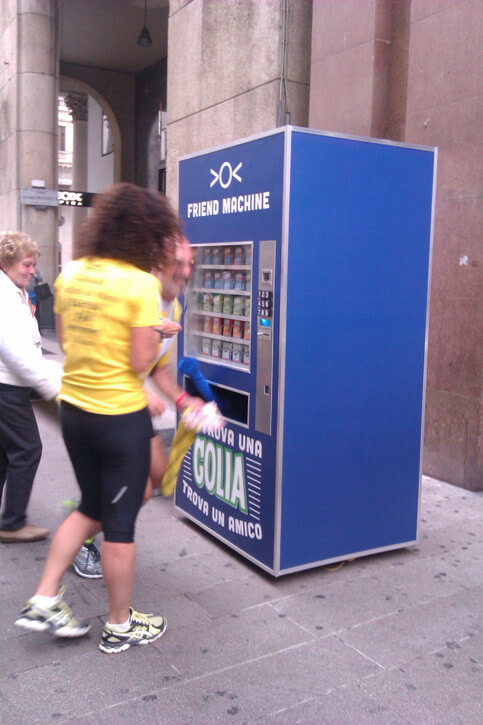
x,y
111,458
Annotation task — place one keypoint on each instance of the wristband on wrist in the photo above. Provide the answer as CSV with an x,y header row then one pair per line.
x,y
181,398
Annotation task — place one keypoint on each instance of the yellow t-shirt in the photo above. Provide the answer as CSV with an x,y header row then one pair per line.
x,y
100,300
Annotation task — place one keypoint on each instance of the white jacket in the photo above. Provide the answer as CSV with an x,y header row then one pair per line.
x,y
21,359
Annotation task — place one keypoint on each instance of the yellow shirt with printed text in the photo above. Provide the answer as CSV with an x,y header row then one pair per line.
x,y
99,301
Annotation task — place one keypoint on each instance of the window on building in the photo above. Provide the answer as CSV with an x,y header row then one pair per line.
x,y
162,179
107,139
162,126
62,138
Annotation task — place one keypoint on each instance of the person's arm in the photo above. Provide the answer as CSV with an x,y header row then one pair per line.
x,y
156,405
166,382
21,356
144,348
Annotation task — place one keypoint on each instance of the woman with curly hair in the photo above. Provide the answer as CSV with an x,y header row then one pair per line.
x,y
22,368
109,326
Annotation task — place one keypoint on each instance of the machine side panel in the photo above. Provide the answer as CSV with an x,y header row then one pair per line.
x,y
358,266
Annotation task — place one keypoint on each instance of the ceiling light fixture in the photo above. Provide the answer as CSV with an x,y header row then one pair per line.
x,y
145,40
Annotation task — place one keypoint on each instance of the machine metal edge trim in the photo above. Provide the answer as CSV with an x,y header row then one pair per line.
x,y
235,142
426,337
367,139
282,347
313,131
347,557
227,542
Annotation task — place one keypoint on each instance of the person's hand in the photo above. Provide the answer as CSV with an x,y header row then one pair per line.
x,y
156,405
168,328
191,402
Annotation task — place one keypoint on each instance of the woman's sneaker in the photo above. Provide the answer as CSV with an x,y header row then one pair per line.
x,y
57,619
88,562
143,628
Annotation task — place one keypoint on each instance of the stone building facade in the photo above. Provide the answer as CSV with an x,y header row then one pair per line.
x,y
409,71
406,70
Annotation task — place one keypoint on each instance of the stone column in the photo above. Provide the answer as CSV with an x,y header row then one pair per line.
x,y
28,120
77,105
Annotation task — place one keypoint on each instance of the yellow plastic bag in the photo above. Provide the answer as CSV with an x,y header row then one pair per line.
x,y
182,442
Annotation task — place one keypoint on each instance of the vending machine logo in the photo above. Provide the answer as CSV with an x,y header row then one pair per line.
x,y
256,201
226,174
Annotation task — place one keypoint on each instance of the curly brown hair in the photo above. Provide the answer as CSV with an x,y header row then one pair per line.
x,y
132,224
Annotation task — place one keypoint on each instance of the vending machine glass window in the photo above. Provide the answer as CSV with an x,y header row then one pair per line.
x,y
219,304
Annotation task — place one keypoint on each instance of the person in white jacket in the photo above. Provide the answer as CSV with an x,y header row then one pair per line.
x,y
22,369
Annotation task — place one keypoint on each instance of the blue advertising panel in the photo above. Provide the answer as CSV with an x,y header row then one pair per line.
x,y
231,202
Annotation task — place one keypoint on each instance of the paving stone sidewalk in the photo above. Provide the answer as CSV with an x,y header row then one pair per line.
x,y
391,638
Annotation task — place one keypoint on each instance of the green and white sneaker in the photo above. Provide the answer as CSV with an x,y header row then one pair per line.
x,y
143,628
58,619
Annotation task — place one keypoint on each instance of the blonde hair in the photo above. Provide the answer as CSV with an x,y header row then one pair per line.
x,y
15,246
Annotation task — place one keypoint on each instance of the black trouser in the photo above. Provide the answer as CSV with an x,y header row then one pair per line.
x,y
20,452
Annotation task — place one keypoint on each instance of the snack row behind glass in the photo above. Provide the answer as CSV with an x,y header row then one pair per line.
x,y
225,280
227,327
226,255
225,304
226,350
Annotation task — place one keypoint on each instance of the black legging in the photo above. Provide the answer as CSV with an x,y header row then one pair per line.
x,y
111,457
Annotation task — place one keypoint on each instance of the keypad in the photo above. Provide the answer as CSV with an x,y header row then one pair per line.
x,y
265,303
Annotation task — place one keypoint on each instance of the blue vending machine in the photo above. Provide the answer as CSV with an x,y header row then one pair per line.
x,y
308,314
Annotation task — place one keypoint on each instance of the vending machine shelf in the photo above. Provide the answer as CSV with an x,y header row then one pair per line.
x,y
236,340
211,290
229,267
204,313
220,361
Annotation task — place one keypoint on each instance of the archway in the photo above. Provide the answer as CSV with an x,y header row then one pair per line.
x,y
68,84
89,157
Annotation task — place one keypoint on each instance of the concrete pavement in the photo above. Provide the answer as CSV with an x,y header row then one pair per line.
x,y
391,638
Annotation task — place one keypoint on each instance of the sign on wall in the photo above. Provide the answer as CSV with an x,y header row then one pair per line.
x,y
52,197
